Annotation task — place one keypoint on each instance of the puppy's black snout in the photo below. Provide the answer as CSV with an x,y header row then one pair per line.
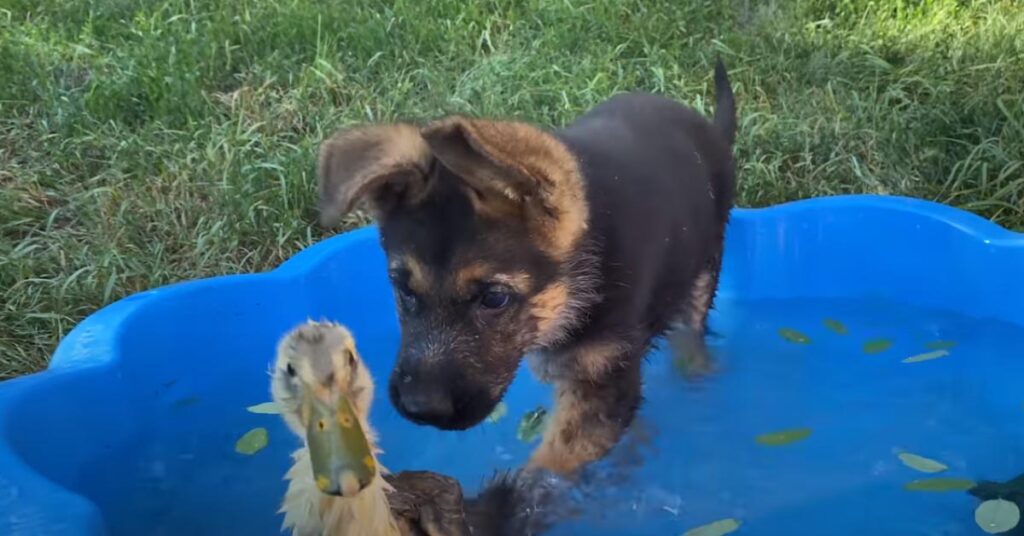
x,y
421,399
427,405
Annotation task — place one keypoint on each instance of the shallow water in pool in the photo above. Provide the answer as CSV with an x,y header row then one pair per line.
x,y
692,458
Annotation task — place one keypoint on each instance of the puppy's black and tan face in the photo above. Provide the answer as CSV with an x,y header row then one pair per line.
x,y
477,219
466,289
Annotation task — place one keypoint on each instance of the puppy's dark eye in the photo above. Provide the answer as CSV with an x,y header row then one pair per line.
x,y
494,299
290,370
407,298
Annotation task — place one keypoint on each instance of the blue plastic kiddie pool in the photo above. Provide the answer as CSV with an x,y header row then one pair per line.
x,y
854,336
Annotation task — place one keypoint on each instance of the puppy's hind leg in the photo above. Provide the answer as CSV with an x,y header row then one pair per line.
x,y
687,338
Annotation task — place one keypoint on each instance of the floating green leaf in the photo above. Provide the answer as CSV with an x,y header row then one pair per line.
x,y
268,408
939,484
920,463
499,411
997,515
794,336
877,346
532,424
940,345
717,528
783,437
835,326
927,356
252,442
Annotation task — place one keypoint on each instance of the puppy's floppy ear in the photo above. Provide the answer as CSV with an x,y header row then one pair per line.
x,y
382,164
514,165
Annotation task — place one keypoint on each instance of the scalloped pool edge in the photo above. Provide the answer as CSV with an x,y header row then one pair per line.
x,y
819,247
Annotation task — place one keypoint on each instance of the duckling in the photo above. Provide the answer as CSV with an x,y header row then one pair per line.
x,y
336,486
324,392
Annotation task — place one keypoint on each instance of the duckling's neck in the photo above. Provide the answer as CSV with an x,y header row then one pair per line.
x,y
310,512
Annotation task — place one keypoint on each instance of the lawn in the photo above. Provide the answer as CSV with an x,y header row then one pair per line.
x,y
144,142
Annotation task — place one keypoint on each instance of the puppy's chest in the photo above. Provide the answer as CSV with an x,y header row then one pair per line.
x,y
554,365
549,365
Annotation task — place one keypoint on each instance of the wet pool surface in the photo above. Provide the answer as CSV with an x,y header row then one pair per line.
x,y
693,456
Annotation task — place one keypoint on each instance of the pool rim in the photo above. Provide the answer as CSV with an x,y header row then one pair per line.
x,y
32,504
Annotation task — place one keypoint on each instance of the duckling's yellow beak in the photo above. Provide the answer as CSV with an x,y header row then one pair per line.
x,y
338,448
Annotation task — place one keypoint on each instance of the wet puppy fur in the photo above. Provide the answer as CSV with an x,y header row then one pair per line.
x,y
578,246
511,503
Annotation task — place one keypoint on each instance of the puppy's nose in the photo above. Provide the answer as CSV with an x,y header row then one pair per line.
x,y
422,401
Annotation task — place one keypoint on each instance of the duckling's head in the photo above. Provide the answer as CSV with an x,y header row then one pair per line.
x,y
324,391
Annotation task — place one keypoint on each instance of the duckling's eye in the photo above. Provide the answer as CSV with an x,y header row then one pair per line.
x,y
352,360
290,370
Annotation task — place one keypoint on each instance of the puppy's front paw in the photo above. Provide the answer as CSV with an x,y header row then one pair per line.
x,y
563,458
546,458
690,354
427,504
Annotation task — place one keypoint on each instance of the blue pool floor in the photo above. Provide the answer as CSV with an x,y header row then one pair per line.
x,y
692,458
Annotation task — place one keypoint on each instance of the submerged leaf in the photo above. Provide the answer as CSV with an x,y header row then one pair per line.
x,y
268,408
532,424
794,336
835,326
717,528
939,484
940,345
877,346
784,437
997,515
186,402
252,442
920,463
927,356
499,411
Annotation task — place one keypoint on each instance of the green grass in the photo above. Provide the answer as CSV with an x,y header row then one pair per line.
x,y
144,142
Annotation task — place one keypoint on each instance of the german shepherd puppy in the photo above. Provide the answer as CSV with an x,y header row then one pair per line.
x,y
579,246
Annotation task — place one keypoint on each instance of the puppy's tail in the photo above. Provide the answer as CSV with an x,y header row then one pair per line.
x,y
725,104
